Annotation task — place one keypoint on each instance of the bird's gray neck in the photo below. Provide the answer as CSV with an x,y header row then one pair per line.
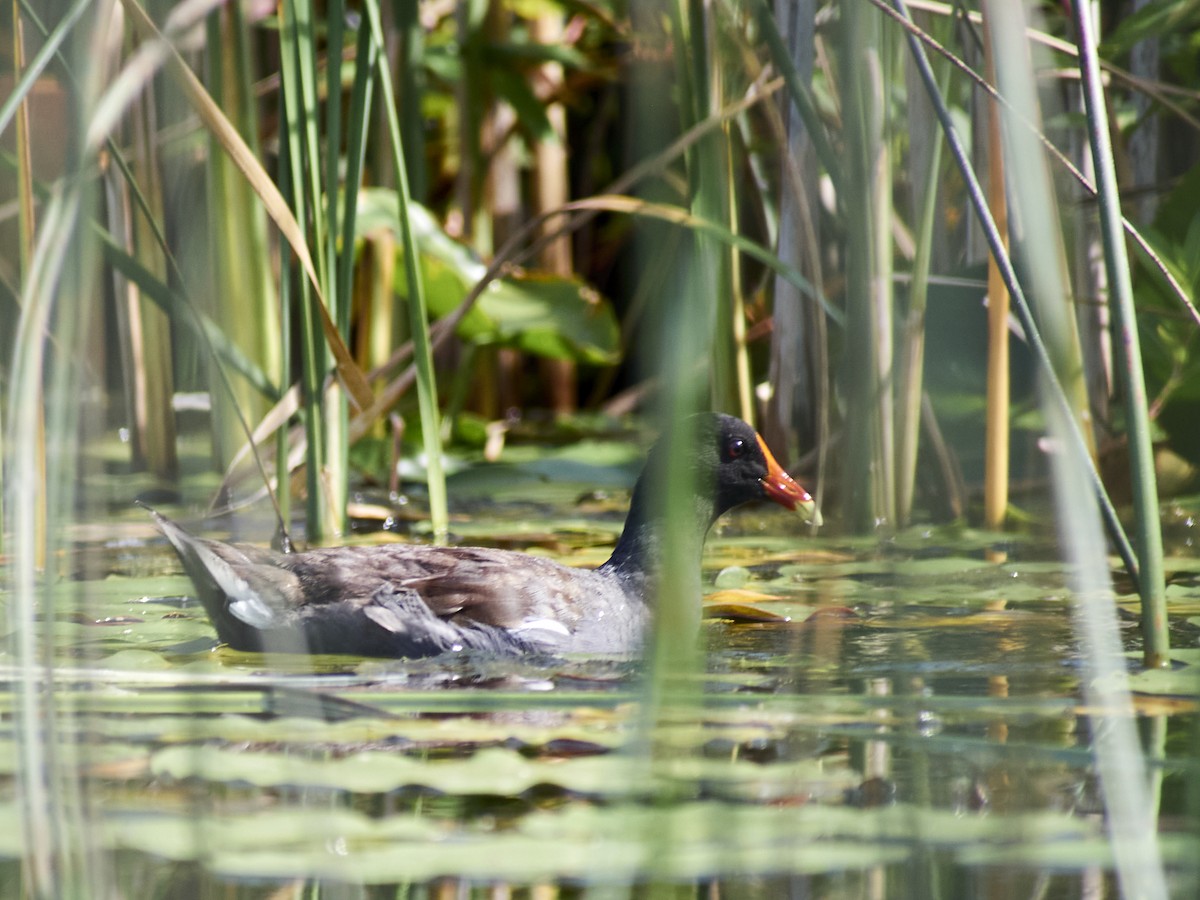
x,y
642,554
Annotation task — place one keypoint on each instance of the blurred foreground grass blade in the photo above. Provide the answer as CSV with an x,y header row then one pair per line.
x,y
52,43
684,318
17,106
57,300
418,318
1049,284
39,790
995,242
1129,354
1117,745
24,507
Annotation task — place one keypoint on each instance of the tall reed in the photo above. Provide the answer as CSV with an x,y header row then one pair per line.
x,y
870,417
1120,760
1129,354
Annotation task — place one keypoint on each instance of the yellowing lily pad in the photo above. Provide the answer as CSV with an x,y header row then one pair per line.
x,y
743,612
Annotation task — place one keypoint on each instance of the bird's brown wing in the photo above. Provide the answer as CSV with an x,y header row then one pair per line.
x,y
494,587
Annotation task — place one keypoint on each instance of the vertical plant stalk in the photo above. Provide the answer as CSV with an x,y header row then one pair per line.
x,y
26,217
151,364
243,285
995,476
870,453
318,185
35,713
550,191
798,412
802,97
676,329
283,492
1116,745
357,130
412,88
911,366
1117,749
418,318
671,693
319,516
979,204
742,383
1141,451
468,89
500,200
375,322
724,84
708,173
25,509
369,287
57,296
329,200
883,305
26,230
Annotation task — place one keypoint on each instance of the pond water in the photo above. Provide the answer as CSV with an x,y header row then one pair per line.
x,y
895,718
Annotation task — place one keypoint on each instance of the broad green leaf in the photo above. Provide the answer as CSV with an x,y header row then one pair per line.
x,y
537,313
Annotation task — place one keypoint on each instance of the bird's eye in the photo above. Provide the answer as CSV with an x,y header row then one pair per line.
x,y
735,448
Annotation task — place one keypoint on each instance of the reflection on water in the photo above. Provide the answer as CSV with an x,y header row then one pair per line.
x,y
892,724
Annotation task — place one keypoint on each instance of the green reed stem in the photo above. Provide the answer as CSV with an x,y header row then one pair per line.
x,y
1151,584
911,366
418,317
978,199
312,351
801,97
870,443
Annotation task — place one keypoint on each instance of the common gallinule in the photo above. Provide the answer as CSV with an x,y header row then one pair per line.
x,y
404,600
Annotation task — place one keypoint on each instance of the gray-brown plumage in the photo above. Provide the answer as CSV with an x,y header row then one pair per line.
x,y
414,600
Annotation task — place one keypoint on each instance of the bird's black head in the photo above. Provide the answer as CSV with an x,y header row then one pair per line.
x,y
717,462
730,465
741,468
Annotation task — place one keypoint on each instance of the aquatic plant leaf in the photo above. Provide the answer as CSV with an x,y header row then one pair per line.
x,y
535,312
742,612
1184,682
